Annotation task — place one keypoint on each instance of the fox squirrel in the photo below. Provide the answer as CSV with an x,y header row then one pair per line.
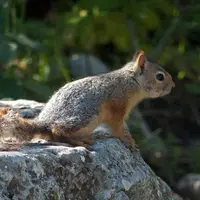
x,y
80,106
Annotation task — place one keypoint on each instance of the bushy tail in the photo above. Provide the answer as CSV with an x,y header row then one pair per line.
x,y
15,129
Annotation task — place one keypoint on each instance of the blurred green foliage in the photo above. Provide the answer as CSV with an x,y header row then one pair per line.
x,y
33,59
31,50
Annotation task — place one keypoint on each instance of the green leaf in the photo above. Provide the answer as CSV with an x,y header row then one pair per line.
x,y
193,88
10,88
41,89
25,41
4,23
103,4
8,51
181,75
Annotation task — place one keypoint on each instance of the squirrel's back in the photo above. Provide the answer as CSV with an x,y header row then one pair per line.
x,y
85,96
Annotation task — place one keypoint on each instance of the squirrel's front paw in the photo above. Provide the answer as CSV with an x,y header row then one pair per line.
x,y
129,142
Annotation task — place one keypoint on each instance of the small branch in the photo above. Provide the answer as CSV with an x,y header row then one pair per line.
x,y
143,125
163,41
134,41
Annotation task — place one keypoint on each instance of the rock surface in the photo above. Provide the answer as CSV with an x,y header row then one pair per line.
x,y
109,171
189,186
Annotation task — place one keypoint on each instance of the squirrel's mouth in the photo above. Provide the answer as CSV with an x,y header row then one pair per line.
x,y
166,90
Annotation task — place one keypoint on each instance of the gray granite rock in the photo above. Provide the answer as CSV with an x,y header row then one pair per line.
x,y
109,171
27,108
82,65
189,186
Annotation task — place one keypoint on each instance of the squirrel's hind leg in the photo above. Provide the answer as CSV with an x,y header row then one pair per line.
x,y
85,141
77,135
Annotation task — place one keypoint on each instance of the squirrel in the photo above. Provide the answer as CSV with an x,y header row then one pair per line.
x,y
78,107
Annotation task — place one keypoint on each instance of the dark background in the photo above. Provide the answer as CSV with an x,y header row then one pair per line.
x,y
37,37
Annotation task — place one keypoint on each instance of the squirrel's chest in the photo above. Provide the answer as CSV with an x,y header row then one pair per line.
x,y
133,100
120,108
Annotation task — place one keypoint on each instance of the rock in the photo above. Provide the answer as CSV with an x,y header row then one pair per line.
x,y
189,186
82,65
109,171
27,108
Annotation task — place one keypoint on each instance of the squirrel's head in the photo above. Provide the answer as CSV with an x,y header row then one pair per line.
x,y
152,78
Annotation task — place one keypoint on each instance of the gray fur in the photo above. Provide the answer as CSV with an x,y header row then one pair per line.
x,y
77,103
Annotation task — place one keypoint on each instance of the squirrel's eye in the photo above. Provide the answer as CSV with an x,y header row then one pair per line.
x,y
160,76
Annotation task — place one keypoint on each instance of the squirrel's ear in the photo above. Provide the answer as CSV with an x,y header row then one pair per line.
x,y
139,58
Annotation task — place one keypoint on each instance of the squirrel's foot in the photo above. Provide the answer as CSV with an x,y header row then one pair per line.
x,y
85,141
89,140
128,140
75,143
69,142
